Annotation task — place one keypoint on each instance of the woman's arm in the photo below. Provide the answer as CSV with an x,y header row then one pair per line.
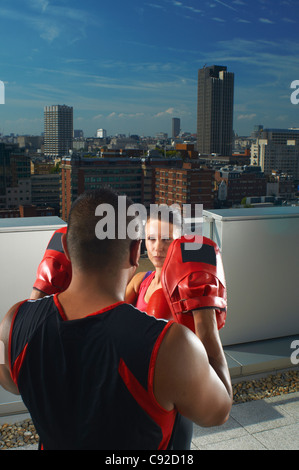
x,y
133,288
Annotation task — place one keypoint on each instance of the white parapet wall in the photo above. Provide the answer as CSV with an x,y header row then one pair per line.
x,y
260,250
22,244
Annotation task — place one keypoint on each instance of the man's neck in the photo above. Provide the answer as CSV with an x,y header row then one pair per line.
x,y
89,294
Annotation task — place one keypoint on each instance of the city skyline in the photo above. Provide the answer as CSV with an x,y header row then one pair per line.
x,y
130,67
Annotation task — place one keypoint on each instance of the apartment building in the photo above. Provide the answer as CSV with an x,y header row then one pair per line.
x,y
79,174
277,149
14,167
58,130
192,184
45,190
241,182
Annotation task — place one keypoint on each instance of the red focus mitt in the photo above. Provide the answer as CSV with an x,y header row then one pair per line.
x,y
193,278
54,272
158,306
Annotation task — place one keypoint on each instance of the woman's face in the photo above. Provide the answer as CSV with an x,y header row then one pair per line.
x,y
159,235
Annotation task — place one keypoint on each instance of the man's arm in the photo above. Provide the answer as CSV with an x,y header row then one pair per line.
x,y
5,378
192,375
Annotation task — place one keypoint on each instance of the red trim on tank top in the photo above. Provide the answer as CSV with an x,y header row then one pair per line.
x,y
145,398
14,372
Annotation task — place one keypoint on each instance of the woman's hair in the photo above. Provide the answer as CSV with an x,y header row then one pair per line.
x,y
170,214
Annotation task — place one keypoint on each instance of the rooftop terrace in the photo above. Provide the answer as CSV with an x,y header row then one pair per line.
x,y
261,261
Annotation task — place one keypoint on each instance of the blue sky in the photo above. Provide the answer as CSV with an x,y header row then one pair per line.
x,y
129,66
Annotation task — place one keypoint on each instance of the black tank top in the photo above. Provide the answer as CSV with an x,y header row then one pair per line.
x,y
88,383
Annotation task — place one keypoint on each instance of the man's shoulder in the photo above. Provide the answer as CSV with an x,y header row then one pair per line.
x,y
138,322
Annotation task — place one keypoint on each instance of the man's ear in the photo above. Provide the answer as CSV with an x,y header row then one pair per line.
x,y
64,245
135,249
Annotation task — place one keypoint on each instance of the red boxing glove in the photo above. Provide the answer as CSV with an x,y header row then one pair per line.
x,y
158,306
193,278
54,272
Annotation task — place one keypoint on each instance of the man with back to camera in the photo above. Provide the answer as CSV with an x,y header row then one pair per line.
x,y
95,372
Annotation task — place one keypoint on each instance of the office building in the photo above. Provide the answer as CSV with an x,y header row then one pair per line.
x,y
176,127
191,183
133,176
45,190
13,168
277,150
58,130
78,134
19,194
240,182
79,174
101,133
215,110
5,172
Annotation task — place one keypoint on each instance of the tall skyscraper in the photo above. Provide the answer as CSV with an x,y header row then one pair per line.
x,y
58,130
176,127
215,110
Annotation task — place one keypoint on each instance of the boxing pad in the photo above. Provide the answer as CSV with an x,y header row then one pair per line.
x,y
193,278
158,306
54,272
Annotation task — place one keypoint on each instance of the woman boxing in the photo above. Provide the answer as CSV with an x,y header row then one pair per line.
x,y
145,292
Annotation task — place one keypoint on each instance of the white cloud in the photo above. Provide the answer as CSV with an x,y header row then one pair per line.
x,y
132,115
50,33
246,116
153,5
288,20
241,20
282,118
39,4
168,111
186,7
266,20
225,5
51,21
